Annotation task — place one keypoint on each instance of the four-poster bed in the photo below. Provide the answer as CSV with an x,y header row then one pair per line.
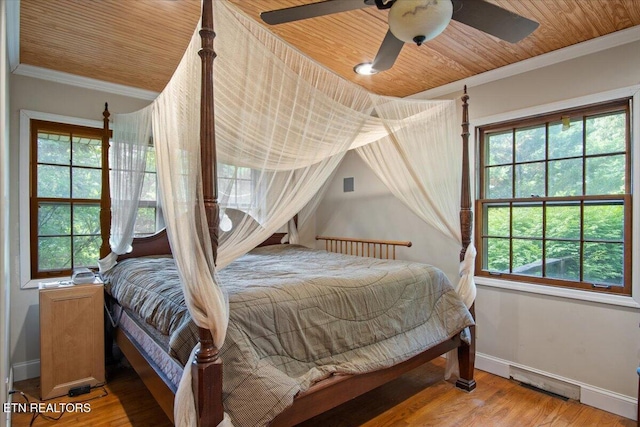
x,y
207,366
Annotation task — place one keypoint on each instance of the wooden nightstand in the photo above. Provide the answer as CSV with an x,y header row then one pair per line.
x,y
71,338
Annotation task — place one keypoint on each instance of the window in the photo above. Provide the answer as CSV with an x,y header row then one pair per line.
x,y
149,218
64,204
66,177
236,186
554,206
243,189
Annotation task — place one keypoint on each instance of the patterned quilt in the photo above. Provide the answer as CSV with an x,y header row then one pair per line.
x,y
297,316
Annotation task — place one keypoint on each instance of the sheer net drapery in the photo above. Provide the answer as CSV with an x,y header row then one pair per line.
x,y
127,157
418,163
283,124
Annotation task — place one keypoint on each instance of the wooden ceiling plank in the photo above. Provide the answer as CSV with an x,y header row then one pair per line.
x,y
140,42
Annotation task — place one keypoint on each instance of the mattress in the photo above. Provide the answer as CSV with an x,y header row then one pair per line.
x,y
297,316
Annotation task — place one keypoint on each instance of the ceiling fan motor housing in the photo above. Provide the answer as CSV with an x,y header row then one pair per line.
x,y
419,20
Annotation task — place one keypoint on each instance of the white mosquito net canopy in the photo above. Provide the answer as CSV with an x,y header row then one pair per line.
x,y
283,124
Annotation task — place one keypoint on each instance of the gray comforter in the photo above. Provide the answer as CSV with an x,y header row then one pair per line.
x,y
299,315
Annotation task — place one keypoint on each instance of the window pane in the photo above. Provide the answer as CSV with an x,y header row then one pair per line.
x,y
54,253
527,257
54,219
244,173
562,260
498,221
149,187
530,180
53,181
87,152
530,144
527,221
53,148
145,222
244,193
605,175
86,251
497,255
151,160
565,178
565,142
604,222
226,171
606,134
87,183
86,219
227,191
499,182
500,148
603,263
563,222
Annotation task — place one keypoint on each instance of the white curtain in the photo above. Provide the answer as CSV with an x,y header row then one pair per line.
x,y
127,158
416,162
283,124
421,165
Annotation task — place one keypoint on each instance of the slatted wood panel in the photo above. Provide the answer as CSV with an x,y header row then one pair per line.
x,y
140,42
136,43
346,39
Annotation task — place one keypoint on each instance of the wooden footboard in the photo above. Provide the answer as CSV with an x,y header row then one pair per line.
x,y
339,389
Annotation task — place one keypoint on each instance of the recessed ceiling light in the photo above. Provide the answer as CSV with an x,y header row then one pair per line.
x,y
365,69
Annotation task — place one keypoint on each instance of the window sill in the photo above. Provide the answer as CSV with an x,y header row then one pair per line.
x,y
35,283
574,294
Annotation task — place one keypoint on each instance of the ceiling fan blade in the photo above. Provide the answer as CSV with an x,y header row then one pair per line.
x,y
388,52
312,10
493,19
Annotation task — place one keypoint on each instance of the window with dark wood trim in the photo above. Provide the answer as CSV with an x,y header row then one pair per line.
x,y
65,197
554,204
65,190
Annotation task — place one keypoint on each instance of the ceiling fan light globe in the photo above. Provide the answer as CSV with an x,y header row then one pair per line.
x,y
415,19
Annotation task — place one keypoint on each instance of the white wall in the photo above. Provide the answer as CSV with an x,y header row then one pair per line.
x,y
591,344
5,287
46,97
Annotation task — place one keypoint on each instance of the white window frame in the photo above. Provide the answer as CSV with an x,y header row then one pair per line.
x,y
577,294
257,189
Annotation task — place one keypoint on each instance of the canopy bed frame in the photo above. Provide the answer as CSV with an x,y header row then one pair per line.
x,y
207,367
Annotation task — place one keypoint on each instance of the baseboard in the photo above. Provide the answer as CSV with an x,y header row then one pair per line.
x,y
616,403
26,370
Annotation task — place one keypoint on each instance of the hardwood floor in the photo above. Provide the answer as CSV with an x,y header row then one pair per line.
x,y
419,398
124,401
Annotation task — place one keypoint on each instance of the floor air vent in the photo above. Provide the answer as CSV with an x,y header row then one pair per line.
x,y
545,384
549,393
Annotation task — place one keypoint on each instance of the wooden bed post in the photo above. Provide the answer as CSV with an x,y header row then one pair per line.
x,y
105,197
466,352
207,366
466,215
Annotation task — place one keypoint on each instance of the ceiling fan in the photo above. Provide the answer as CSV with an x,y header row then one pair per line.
x,y
416,21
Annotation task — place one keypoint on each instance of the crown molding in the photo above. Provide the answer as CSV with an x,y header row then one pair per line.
x,y
618,38
13,54
84,82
